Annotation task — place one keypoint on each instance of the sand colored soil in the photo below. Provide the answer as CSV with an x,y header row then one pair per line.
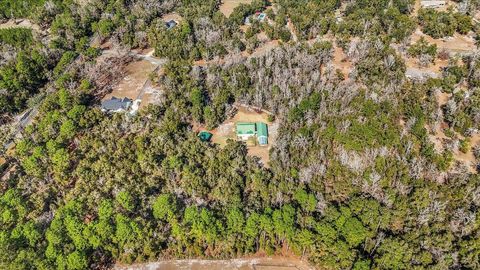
x,y
341,62
132,84
260,51
438,138
226,131
454,44
172,16
25,23
264,48
418,5
264,263
443,98
292,29
228,6
435,68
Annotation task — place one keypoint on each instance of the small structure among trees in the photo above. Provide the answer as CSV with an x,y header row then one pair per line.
x,y
170,24
116,104
205,136
433,3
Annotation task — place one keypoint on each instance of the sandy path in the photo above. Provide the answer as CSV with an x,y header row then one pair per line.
x,y
268,263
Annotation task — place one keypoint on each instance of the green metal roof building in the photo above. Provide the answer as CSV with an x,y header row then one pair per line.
x,y
262,133
246,130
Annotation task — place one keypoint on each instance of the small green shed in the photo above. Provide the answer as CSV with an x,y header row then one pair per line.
x,y
205,136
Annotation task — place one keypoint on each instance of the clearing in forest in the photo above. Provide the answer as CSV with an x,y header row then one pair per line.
x,y
20,23
340,61
439,139
455,44
228,6
137,84
226,131
172,16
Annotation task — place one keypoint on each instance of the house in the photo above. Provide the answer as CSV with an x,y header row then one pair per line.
x,y
116,104
259,16
433,3
417,74
170,24
245,131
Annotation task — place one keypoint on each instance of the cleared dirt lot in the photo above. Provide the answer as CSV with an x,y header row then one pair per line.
x,y
21,23
228,6
341,62
439,139
268,263
136,83
455,44
172,16
132,84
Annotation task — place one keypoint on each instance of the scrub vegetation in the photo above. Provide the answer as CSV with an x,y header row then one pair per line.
x,y
353,181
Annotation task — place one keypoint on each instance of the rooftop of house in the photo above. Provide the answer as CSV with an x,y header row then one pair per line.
x,y
245,128
115,104
170,24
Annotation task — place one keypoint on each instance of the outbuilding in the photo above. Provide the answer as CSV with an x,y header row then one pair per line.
x,y
205,136
262,133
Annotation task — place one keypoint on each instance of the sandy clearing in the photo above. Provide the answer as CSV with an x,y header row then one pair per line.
x,y
292,29
454,44
263,49
436,68
137,84
418,6
263,263
137,73
19,23
341,62
172,16
228,6
260,51
442,98
439,139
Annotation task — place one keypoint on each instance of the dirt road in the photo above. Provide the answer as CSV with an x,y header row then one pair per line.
x,y
269,263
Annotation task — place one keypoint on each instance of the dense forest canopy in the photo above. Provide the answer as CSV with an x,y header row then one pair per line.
x,y
356,178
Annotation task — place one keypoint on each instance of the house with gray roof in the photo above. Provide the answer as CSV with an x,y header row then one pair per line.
x,y
170,24
116,104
